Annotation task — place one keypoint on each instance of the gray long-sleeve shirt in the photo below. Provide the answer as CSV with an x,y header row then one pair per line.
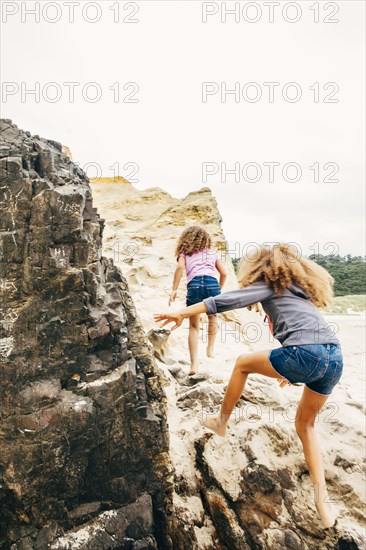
x,y
292,317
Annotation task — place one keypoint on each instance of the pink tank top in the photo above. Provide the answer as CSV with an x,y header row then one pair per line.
x,y
201,263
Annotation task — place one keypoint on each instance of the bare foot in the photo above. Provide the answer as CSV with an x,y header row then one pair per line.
x,y
215,424
192,370
209,352
327,512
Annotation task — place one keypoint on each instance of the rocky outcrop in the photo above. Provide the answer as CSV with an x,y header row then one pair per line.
x,y
84,442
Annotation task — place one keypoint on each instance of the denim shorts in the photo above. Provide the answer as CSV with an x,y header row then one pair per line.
x,y
201,287
318,366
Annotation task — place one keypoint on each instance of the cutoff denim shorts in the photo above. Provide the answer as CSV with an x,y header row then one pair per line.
x,y
201,287
318,366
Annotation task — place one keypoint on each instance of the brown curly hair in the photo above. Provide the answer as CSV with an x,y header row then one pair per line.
x,y
282,265
193,239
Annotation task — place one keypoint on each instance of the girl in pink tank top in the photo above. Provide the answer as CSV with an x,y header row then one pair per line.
x,y
201,263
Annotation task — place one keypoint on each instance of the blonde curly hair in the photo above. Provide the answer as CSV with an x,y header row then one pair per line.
x,y
193,239
282,265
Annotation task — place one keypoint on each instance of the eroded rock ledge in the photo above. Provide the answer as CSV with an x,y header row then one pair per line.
x,y
84,458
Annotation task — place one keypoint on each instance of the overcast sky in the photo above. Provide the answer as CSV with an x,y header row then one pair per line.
x,y
167,117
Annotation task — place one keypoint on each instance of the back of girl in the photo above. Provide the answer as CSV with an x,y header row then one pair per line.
x,y
201,264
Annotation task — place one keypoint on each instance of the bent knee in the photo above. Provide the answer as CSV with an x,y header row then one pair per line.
x,y
242,363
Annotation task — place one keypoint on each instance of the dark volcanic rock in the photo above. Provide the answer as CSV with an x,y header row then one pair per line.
x,y
84,443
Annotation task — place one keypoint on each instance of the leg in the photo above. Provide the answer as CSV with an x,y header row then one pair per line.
x,y
245,364
211,333
194,327
309,406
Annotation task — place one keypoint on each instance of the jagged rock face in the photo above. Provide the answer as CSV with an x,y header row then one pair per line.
x,y
84,443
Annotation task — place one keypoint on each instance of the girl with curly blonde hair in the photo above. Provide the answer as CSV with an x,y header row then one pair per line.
x,y
196,256
290,289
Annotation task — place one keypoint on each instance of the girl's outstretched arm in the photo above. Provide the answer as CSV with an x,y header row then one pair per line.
x,y
234,299
178,317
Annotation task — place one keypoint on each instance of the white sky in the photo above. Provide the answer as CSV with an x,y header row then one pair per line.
x,y
170,132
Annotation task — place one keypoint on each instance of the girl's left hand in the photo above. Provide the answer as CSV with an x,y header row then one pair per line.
x,y
172,298
176,318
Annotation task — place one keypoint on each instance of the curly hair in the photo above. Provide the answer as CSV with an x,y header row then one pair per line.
x,y
282,265
193,239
